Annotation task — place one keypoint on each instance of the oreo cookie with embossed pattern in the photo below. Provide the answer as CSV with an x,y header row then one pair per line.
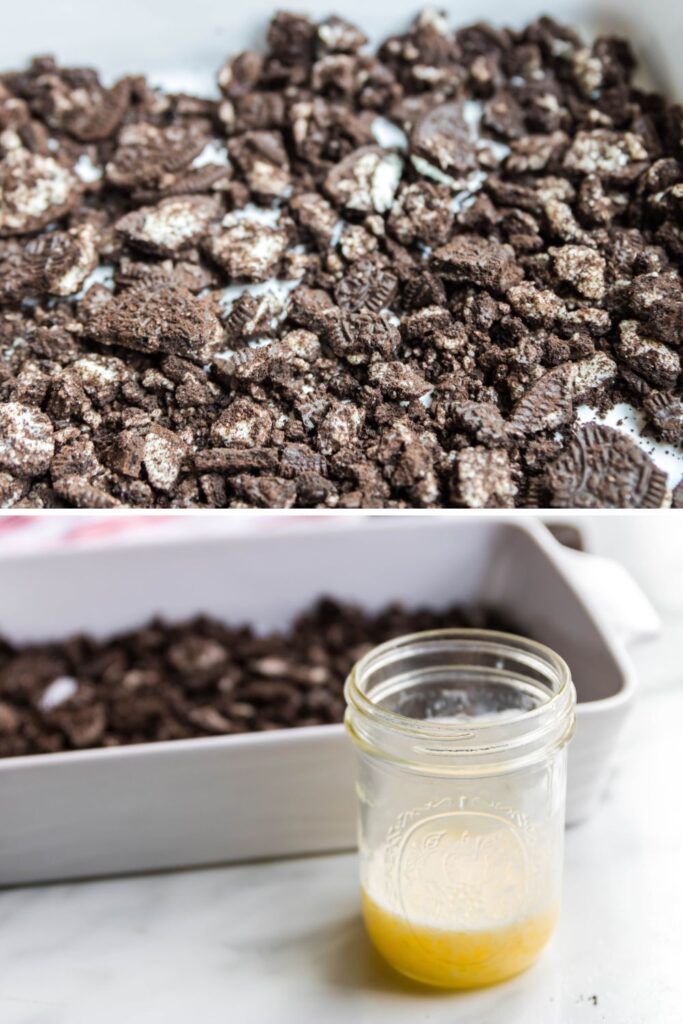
x,y
365,286
602,468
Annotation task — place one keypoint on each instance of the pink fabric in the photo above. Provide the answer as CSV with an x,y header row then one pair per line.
x,y
40,532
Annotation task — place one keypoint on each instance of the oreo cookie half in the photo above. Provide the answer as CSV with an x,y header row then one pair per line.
x,y
602,468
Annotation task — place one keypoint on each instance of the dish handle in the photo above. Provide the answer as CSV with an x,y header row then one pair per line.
x,y
624,606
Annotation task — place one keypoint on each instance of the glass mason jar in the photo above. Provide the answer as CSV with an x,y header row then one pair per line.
x,y
461,777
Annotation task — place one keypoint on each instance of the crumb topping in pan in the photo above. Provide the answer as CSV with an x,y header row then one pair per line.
x,y
359,278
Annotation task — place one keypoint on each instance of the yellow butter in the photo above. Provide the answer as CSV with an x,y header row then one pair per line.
x,y
457,959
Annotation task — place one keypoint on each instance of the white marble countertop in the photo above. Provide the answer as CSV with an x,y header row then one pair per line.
x,y
282,942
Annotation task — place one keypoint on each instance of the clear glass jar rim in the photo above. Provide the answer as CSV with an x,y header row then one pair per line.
x,y
480,639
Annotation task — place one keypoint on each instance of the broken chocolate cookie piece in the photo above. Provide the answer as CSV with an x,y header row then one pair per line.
x,y
88,111
615,156
244,423
53,263
590,377
471,259
162,456
360,337
82,726
316,215
251,316
81,493
664,413
547,405
339,429
651,359
483,478
540,307
397,380
581,267
657,300
421,213
182,273
336,35
602,468
365,286
441,136
34,190
265,491
12,489
74,102
101,376
532,153
168,319
170,226
483,422
503,115
26,440
262,159
246,249
235,460
365,181
150,156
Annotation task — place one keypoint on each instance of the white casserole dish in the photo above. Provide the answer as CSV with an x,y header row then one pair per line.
x,y
230,798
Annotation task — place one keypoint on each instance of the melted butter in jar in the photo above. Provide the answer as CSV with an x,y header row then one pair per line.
x,y
458,904
457,959
461,775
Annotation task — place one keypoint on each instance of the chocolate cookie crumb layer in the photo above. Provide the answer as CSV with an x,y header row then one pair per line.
x,y
196,678
357,278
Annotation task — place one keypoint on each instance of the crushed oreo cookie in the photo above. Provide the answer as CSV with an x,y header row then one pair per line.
x,y
356,278
198,678
602,468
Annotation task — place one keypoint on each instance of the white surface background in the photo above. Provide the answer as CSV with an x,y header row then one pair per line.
x,y
282,941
